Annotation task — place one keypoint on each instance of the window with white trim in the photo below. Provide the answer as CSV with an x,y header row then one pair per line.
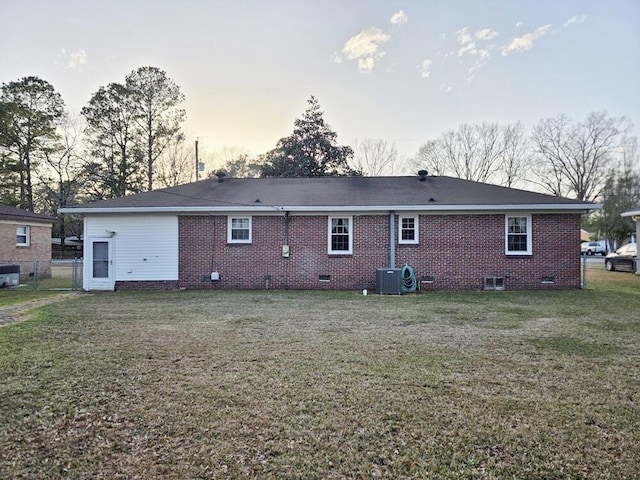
x,y
239,229
340,235
408,229
22,235
518,235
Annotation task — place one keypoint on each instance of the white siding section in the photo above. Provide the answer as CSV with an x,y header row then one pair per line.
x,y
145,246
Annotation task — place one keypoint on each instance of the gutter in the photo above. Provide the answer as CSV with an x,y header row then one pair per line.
x,y
632,213
392,239
382,209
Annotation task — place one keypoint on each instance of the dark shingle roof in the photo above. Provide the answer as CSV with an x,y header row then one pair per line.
x,y
368,193
13,213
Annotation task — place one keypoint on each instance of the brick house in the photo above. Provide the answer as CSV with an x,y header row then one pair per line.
x,y
25,238
332,233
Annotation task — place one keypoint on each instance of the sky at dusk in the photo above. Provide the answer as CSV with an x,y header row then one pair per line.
x,y
402,71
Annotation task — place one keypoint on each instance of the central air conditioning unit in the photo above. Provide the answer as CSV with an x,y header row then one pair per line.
x,y
9,275
389,281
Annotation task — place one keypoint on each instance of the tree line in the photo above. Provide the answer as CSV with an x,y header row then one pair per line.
x,y
129,139
594,160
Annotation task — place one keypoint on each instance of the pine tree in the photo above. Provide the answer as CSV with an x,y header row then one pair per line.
x,y
310,151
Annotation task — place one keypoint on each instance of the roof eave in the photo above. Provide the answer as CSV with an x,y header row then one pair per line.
x,y
555,207
445,208
18,218
632,213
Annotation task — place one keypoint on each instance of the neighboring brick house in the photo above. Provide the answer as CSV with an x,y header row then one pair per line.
x,y
25,238
332,233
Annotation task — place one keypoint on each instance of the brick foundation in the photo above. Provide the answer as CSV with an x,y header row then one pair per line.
x,y
146,285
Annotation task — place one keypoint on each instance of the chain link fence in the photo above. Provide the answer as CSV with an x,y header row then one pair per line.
x,y
23,275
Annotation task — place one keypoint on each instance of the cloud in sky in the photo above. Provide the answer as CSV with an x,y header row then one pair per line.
x,y
525,42
399,17
471,49
469,46
75,61
486,34
575,20
366,48
477,45
464,36
425,68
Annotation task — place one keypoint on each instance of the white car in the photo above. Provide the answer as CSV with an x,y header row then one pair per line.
x,y
592,248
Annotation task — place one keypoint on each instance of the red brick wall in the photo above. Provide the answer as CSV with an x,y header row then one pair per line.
x,y
457,251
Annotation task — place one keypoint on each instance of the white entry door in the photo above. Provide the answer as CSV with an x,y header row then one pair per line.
x,y
101,264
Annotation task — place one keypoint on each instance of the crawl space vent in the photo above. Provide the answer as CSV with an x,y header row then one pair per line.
x,y
494,283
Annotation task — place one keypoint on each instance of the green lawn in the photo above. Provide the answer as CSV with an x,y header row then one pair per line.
x,y
284,384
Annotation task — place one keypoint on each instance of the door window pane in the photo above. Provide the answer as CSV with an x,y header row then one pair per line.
x,y
100,259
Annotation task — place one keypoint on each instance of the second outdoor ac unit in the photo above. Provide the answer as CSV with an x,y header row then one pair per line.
x,y
9,275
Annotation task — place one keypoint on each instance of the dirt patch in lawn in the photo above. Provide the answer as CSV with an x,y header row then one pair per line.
x,y
20,311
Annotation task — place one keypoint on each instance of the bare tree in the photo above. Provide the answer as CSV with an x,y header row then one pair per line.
x,y
573,158
375,157
516,161
482,153
176,164
479,157
629,153
219,157
61,175
431,157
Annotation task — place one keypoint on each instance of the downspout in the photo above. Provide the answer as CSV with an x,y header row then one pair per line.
x,y
392,239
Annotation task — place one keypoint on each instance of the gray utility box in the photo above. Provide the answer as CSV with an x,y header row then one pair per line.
x,y
9,275
389,281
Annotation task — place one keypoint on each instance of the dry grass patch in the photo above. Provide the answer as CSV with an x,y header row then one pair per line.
x,y
324,385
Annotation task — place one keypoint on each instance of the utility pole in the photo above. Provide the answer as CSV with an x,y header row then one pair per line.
x,y
197,161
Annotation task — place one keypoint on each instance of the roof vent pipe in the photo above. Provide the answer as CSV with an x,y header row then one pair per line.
x,y
423,175
220,174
